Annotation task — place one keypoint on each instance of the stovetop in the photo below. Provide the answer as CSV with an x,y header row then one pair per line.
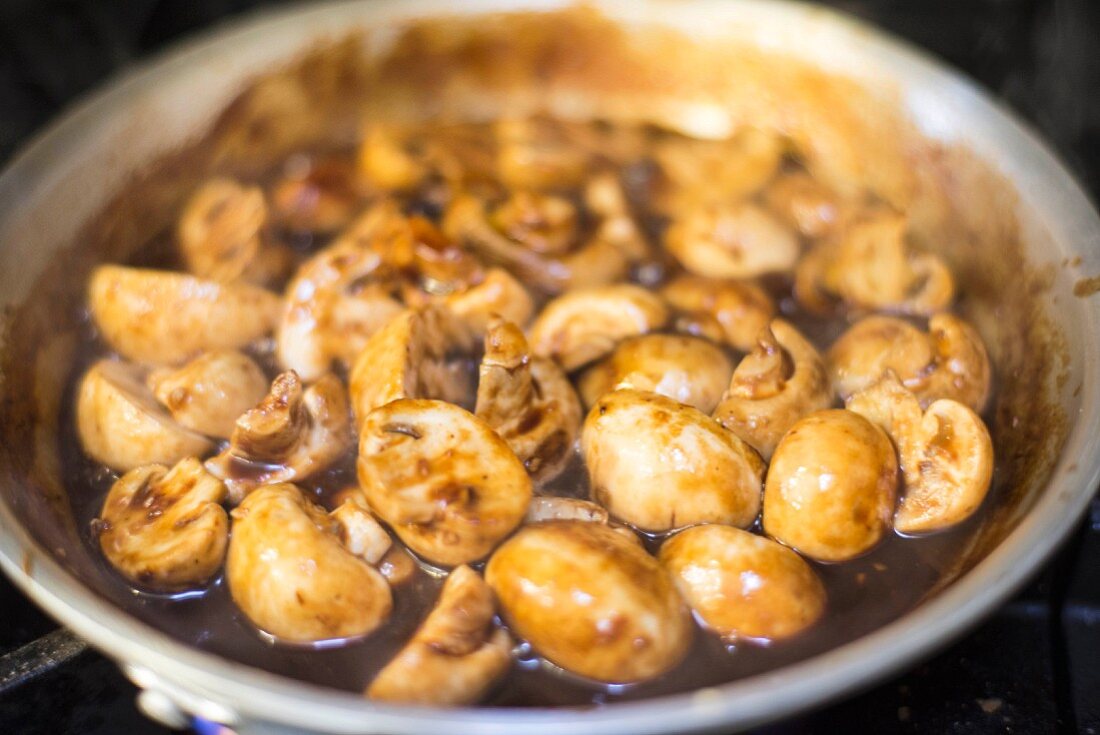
x,y
1033,667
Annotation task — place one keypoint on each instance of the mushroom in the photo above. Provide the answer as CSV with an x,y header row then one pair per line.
x,y
529,402
949,361
779,382
689,370
945,452
209,393
164,530
420,353
659,465
289,573
164,318
361,534
805,204
585,325
533,153
499,293
731,240
870,266
291,434
554,508
121,424
831,486
455,656
591,601
319,195
222,235
386,161
743,586
740,308
442,479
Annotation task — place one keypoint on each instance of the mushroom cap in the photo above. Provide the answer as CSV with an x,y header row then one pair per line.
x,y
740,240
209,393
740,308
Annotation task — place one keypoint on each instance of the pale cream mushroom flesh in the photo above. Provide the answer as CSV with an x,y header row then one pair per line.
x,y
209,393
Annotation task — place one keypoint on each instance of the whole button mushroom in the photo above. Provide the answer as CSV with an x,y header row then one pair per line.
x,y
831,486
210,392
735,311
590,600
743,586
659,465
738,240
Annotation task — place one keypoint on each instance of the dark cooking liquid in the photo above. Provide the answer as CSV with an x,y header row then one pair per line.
x,y
863,594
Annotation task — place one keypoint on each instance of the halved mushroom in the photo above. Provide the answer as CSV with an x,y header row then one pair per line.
x,y
456,655
686,369
871,266
732,240
831,486
740,308
163,318
221,235
805,204
780,381
165,530
946,454
121,424
499,293
291,434
319,195
291,576
420,353
659,465
586,324
210,392
528,401
443,480
949,361
590,600
741,585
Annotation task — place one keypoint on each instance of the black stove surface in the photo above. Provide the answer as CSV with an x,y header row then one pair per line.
x,y
1034,667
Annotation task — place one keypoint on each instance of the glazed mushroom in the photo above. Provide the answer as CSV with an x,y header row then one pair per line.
x,y
805,204
737,309
361,534
222,235
121,424
732,240
318,195
743,586
555,508
660,465
945,452
386,162
831,486
585,325
209,393
293,433
164,318
498,294
163,529
528,401
533,153
949,361
455,656
780,381
870,266
688,370
591,601
420,353
442,479
289,573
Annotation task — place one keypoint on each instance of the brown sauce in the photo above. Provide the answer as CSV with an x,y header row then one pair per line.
x,y
863,594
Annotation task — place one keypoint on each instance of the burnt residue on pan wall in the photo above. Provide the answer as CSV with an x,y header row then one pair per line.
x,y
576,64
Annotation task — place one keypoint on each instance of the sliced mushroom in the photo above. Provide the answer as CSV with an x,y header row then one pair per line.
x,y
590,600
291,576
946,454
716,171
743,586
740,308
528,401
739,240
871,266
210,392
443,480
831,486
421,353
585,325
554,508
319,195
455,656
121,424
163,318
293,433
949,361
780,381
499,293
686,369
659,465
164,530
